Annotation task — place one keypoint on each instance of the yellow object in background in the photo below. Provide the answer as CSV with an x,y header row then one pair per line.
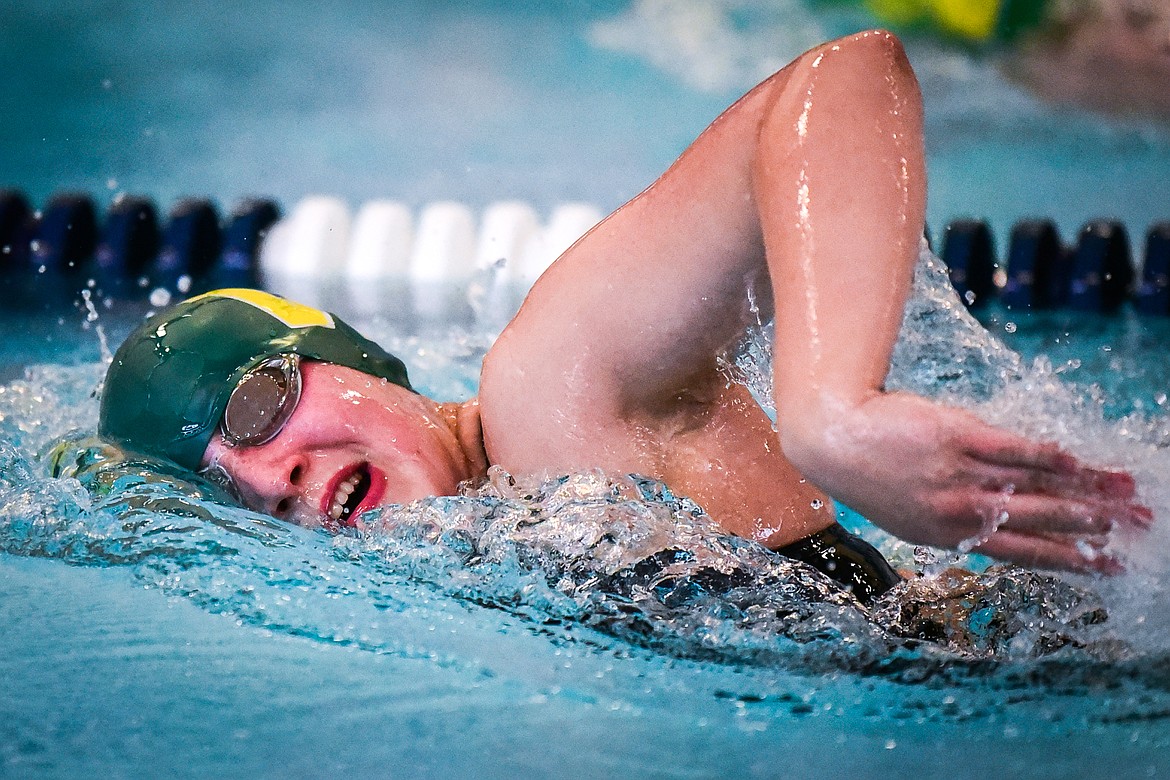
x,y
978,21
974,19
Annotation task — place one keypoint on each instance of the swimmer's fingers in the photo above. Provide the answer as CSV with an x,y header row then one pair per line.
x,y
1031,513
1080,555
1083,483
1032,467
998,447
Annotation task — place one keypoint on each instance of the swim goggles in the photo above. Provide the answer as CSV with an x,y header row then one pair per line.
x,y
257,410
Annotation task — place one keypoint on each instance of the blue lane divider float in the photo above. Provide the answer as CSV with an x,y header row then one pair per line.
x,y
1153,294
1037,274
46,257
61,242
248,224
969,252
65,235
129,242
16,220
1102,269
190,247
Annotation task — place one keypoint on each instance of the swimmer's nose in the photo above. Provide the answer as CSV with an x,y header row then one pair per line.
x,y
267,482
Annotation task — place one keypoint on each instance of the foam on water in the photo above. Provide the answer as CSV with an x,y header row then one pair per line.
x,y
618,563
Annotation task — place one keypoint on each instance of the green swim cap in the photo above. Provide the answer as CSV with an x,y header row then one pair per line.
x,y
166,391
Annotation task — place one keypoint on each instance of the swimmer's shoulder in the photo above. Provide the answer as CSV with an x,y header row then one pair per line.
x,y
544,407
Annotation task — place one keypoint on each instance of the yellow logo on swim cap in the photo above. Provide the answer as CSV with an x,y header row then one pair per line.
x,y
292,314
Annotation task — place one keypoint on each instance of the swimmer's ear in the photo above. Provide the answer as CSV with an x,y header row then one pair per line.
x,y
76,455
104,468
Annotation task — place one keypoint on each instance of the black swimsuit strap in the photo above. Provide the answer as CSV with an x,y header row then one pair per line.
x,y
846,559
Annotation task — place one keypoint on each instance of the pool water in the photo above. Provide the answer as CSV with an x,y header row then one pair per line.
x,y
152,630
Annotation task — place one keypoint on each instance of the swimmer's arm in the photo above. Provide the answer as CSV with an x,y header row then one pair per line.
x,y
632,317
644,303
810,190
840,184
612,362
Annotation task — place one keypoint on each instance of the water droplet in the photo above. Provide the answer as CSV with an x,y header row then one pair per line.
x,y
160,296
1010,327
891,744
817,503
183,285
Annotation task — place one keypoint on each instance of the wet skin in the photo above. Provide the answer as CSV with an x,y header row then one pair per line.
x,y
349,428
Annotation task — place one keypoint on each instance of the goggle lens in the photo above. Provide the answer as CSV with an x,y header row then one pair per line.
x,y
262,402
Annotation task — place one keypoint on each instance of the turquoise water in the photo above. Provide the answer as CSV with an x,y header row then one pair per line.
x,y
150,632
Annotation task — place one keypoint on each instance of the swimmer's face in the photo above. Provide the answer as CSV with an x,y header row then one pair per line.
x,y
353,442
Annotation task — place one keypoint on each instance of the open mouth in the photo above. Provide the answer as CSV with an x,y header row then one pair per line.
x,y
348,496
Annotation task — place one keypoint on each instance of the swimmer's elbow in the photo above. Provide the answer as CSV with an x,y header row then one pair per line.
x,y
879,51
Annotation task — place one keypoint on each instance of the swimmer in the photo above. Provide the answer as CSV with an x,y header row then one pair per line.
x,y
809,191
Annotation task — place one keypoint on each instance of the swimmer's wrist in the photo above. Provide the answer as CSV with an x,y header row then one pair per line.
x,y
819,435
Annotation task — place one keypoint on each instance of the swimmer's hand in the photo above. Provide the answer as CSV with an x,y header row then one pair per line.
x,y
936,475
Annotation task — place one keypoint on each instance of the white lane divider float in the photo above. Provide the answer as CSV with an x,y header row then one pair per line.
x,y
445,262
